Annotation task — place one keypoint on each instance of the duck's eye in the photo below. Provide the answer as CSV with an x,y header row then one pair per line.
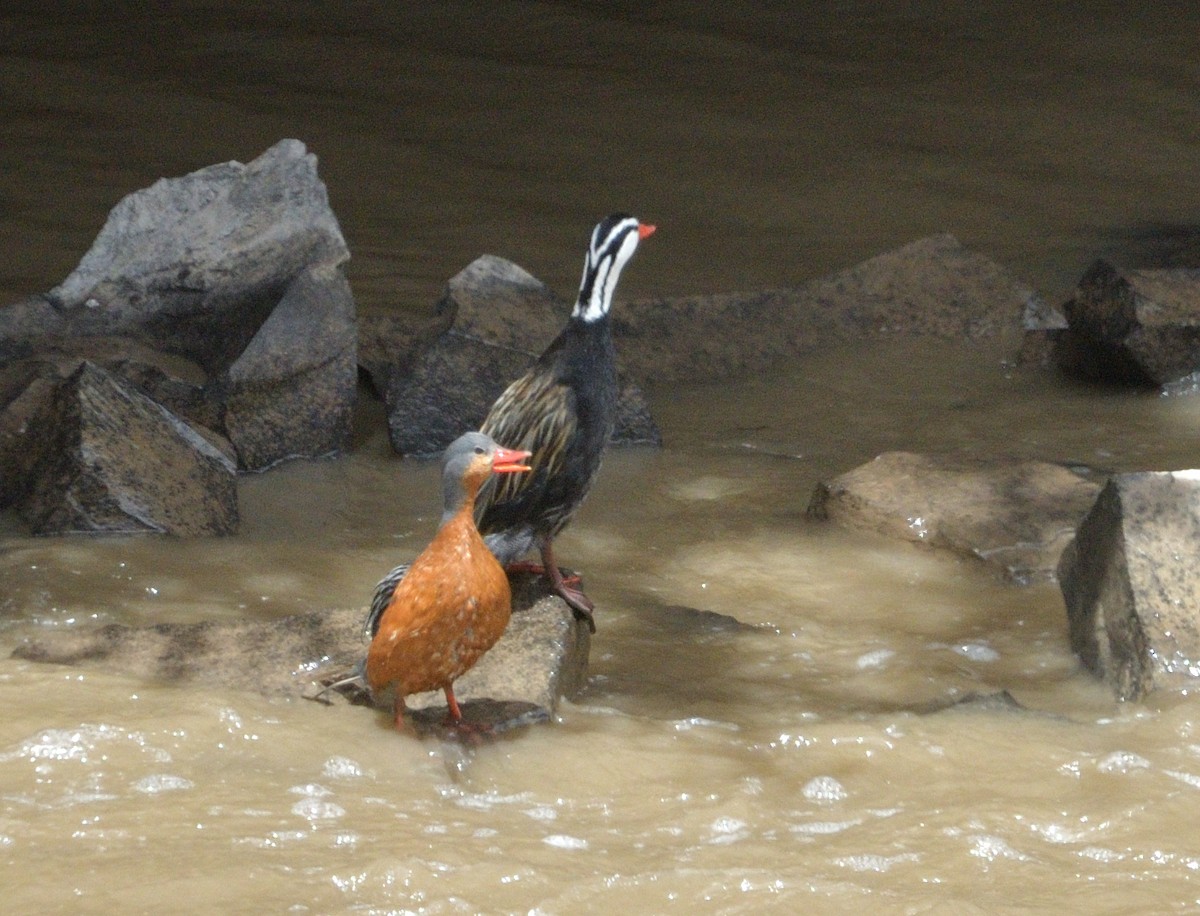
x,y
479,450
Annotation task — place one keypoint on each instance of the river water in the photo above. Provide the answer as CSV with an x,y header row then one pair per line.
x,y
788,765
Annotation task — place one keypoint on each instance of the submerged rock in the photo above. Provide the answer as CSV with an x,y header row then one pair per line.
x,y
983,702
541,657
500,319
1139,327
931,287
1015,515
1131,584
112,460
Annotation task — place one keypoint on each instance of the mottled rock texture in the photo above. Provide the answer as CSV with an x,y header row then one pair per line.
x,y
1137,327
111,460
1131,586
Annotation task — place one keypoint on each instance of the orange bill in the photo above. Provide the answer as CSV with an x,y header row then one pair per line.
x,y
509,461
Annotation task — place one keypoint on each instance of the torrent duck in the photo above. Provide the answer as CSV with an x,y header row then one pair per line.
x,y
453,603
563,411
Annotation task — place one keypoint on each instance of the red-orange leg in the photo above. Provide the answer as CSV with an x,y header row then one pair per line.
x,y
455,712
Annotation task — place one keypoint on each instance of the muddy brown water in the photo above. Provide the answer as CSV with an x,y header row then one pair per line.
x,y
786,767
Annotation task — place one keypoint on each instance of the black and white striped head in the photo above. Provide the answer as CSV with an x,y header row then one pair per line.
x,y
614,241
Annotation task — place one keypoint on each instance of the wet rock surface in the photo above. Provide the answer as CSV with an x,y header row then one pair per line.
x,y
1130,585
1014,515
541,657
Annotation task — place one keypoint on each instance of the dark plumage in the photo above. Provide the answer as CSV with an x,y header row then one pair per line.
x,y
562,411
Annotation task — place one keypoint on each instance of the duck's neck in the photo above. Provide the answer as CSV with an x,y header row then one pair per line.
x,y
459,499
596,290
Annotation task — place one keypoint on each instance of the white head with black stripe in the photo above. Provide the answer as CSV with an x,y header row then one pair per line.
x,y
614,240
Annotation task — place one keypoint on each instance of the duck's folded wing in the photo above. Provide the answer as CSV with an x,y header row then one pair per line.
x,y
536,413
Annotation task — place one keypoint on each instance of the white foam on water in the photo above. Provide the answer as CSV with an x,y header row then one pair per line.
x,y
823,828
342,768
312,809
992,848
876,658
563,841
1122,762
824,790
728,830
162,782
875,863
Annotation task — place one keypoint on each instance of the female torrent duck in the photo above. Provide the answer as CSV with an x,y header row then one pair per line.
x,y
563,411
453,603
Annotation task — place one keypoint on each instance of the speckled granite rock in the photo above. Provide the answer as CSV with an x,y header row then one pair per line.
x,y
1131,583
1015,515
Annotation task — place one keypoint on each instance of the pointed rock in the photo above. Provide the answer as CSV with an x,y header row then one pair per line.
x,y
115,461
195,264
1138,327
1131,583
196,269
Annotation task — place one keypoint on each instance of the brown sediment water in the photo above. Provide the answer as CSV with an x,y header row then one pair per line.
x,y
787,765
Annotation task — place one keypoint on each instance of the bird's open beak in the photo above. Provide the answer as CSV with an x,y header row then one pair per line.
x,y
509,461
645,229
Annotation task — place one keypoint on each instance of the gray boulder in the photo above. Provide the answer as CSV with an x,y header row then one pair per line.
x,y
233,271
1139,327
1131,586
499,319
389,345
108,459
291,391
195,264
541,657
1014,515
931,287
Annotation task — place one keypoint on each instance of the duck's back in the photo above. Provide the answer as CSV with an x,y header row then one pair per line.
x,y
563,411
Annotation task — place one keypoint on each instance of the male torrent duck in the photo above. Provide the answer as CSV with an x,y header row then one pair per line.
x,y
563,411
453,603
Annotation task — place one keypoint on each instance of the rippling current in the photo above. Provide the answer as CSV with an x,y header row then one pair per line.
x,y
790,764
